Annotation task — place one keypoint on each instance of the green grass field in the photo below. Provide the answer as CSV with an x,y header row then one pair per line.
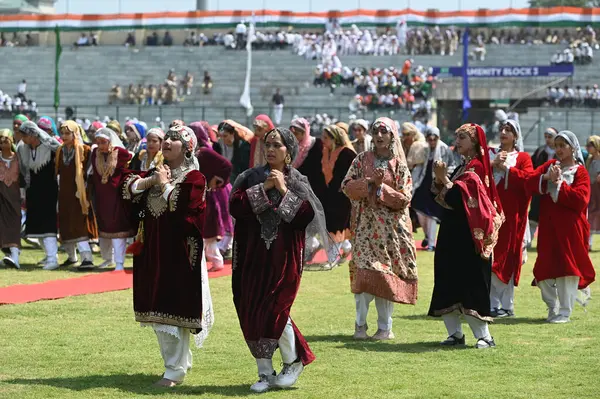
x,y
91,347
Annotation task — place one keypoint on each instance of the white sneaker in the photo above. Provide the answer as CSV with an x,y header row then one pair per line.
x,y
106,264
560,320
10,262
552,314
51,265
263,384
289,374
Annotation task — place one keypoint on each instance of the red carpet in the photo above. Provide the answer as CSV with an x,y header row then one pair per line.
x,y
85,285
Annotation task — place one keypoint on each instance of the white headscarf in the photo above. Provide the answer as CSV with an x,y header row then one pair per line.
x,y
43,153
110,135
517,128
571,139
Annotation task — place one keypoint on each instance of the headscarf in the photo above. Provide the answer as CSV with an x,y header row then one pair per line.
x,y
345,127
305,145
10,175
140,133
362,123
111,136
517,128
47,146
177,122
115,126
8,134
98,125
264,121
395,143
243,132
189,141
340,141
212,132
79,167
484,212
595,142
297,184
551,131
201,134
20,117
571,139
47,123
156,132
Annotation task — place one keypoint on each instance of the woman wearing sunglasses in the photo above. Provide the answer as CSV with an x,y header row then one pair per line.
x,y
384,266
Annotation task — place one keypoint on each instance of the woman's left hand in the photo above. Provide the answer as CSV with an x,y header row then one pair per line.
x,y
279,180
441,170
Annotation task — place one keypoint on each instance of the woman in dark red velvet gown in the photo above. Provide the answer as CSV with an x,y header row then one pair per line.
x,y
273,206
170,281
109,163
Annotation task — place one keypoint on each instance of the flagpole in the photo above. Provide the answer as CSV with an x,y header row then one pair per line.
x,y
57,54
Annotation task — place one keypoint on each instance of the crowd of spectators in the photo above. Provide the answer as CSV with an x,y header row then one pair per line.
x,y
171,91
579,96
580,54
392,88
18,103
15,40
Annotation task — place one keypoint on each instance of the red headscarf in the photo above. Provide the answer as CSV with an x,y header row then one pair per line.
x,y
265,118
480,198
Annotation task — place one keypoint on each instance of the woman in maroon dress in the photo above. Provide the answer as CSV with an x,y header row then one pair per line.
x,y
113,215
274,207
170,281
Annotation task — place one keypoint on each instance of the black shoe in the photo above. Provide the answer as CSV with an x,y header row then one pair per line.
x,y
453,341
485,343
68,262
501,313
227,255
86,265
425,243
494,313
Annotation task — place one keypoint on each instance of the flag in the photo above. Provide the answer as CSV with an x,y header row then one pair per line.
x,y
245,98
466,105
56,71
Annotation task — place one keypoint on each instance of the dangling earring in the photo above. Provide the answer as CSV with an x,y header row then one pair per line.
x,y
288,159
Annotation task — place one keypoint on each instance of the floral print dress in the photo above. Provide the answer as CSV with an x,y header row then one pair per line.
x,y
384,260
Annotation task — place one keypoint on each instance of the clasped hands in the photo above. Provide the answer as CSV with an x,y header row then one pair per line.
x,y
377,178
276,179
554,174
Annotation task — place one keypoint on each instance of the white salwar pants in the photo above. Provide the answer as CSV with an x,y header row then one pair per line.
x,y
429,226
50,245
212,253
226,243
82,246
560,294
175,351
278,113
502,295
384,307
454,326
116,247
287,348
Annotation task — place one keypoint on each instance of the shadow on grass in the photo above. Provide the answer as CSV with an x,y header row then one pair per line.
x,y
139,384
347,342
520,320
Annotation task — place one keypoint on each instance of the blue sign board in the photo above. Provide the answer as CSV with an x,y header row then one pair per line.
x,y
506,71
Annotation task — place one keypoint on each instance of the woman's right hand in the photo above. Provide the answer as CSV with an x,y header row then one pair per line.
x,y
269,183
